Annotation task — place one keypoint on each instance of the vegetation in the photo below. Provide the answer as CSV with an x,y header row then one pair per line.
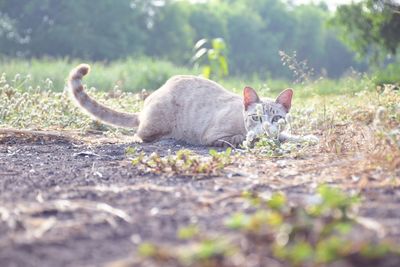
x,y
183,163
318,232
28,102
213,59
133,75
238,43
370,28
294,235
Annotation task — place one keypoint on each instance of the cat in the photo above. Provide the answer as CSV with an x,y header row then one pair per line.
x,y
191,109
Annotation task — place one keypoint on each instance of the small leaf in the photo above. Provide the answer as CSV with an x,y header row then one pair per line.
x,y
237,221
211,248
329,249
129,151
301,252
200,43
275,219
213,152
206,71
200,53
188,232
277,201
147,250
212,54
218,44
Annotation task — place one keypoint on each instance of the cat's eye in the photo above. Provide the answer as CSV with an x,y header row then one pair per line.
x,y
276,118
255,117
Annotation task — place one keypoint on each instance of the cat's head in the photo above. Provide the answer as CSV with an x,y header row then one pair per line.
x,y
261,113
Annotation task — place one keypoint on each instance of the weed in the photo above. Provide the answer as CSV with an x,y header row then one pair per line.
x,y
182,163
323,230
213,59
210,252
318,233
301,71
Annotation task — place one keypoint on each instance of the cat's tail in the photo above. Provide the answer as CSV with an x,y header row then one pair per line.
x,y
93,107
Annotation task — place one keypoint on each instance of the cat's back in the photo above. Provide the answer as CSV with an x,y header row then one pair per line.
x,y
189,106
193,85
191,90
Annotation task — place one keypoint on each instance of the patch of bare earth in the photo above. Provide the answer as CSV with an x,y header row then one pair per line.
x,y
78,201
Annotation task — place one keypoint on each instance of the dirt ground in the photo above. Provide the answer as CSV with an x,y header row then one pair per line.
x,y
67,201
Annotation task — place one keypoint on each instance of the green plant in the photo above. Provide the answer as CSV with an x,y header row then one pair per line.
x,y
208,252
316,233
183,163
319,232
213,58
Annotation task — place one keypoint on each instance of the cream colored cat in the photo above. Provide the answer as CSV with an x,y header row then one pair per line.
x,y
190,109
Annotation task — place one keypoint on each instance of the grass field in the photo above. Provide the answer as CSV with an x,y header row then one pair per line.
x,y
133,75
33,92
32,96
357,123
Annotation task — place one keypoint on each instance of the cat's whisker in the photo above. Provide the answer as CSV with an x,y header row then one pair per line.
x,y
226,142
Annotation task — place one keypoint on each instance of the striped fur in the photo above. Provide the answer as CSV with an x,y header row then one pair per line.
x,y
91,106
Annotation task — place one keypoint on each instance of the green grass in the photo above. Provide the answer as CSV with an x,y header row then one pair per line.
x,y
133,75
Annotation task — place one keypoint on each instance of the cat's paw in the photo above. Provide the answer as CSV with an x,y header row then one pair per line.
x,y
137,139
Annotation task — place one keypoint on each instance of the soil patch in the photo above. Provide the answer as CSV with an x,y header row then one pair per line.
x,y
78,201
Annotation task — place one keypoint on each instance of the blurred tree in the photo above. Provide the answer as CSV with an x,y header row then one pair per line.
x,y
310,35
206,22
245,41
254,31
370,28
10,37
170,34
103,29
277,32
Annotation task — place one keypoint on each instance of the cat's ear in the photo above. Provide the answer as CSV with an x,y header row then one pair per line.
x,y
285,99
249,97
